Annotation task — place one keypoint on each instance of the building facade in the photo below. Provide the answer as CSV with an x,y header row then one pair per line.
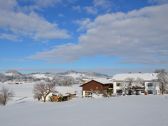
x,y
135,83
94,87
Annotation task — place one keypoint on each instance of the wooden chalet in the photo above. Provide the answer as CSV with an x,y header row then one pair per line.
x,y
96,87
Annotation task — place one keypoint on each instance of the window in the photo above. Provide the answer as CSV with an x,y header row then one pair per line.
x,y
118,84
150,85
150,92
119,92
142,91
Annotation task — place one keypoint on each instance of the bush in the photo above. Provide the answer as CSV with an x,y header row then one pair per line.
x,y
5,95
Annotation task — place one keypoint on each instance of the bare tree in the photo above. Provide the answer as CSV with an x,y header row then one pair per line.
x,y
37,95
163,80
139,86
5,95
129,82
3,78
63,81
67,81
140,82
42,90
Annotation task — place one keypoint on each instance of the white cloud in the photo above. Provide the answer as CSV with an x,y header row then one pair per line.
x,y
27,24
139,36
83,24
10,37
77,8
7,4
90,10
102,3
98,6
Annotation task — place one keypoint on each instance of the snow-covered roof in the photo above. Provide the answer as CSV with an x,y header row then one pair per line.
x,y
103,80
144,76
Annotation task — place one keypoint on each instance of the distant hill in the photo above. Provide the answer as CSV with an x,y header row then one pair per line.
x,y
76,74
14,75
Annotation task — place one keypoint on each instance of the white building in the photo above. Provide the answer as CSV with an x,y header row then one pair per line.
x,y
150,83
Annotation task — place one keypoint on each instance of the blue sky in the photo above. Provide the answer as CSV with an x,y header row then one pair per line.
x,y
106,36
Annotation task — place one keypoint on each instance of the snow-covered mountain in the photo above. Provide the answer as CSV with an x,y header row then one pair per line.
x,y
42,75
13,73
79,77
76,74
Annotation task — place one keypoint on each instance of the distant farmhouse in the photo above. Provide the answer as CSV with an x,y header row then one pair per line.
x,y
140,83
123,84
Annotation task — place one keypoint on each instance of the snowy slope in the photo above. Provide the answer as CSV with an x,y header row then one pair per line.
x,y
42,76
12,73
117,111
24,92
85,75
75,75
78,77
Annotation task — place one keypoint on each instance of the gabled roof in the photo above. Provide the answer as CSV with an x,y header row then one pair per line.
x,y
90,82
103,80
144,76
94,81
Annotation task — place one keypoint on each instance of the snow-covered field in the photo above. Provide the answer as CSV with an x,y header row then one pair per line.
x,y
24,92
115,111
